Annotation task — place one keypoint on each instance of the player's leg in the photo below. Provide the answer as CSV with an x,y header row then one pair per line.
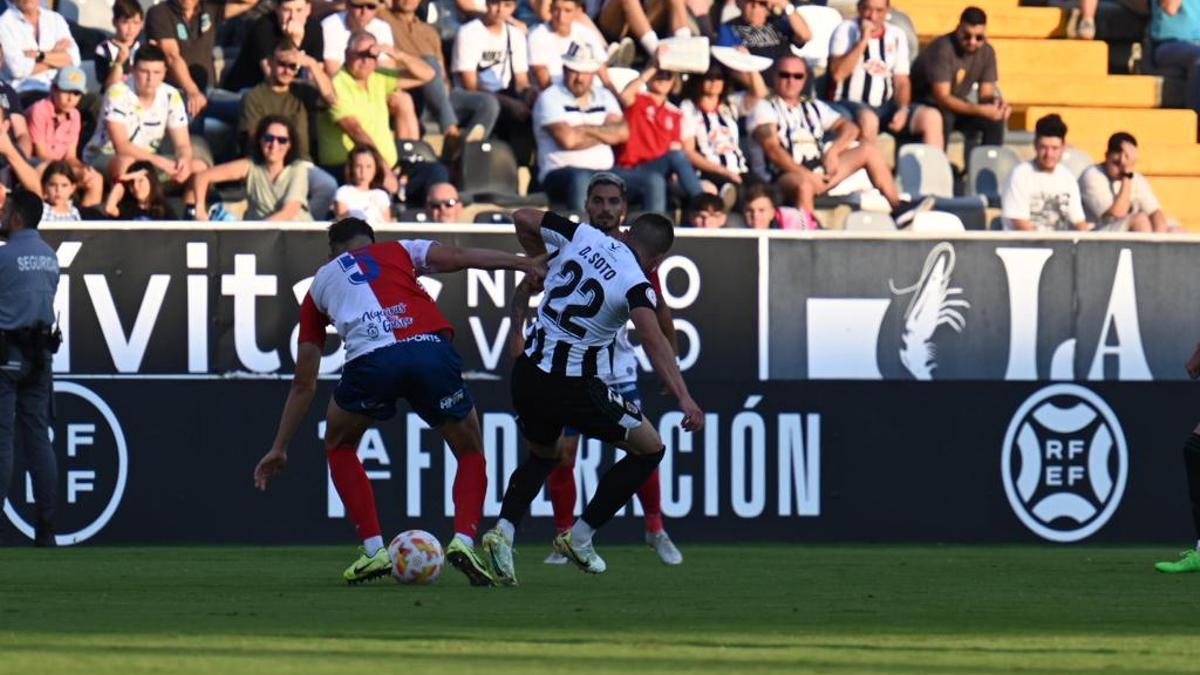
x,y
470,484
563,494
1190,560
650,496
343,430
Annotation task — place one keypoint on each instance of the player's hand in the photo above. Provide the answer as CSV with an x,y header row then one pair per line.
x,y
1193,364
693,416
535,273
272,463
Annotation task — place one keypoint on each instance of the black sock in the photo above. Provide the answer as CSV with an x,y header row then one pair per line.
x,y
524,485
618,485
1191,463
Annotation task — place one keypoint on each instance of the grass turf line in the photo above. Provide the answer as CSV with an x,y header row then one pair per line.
x,y
773,608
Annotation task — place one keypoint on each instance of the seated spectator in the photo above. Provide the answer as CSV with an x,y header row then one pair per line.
x,y
1175,39
1085,28
1042,194
35,43
868,68
114,55
491,55
1115,197
707,212
276,181
947,71
454,108
764,33
360,15
576,124
186,32
549,41
644,20
367,101
711,135
443,204
363,195
806,146
56,185
137,116
55,126
763,212
12,110
653,152
137,195
284,93
292,21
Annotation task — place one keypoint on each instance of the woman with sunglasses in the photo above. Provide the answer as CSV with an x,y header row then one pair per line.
x,y
276,181
711,138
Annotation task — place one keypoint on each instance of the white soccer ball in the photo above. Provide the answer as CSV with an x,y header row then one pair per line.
x,y
417,557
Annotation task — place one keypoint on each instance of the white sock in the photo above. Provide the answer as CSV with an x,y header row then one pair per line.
x,y
465,539
508,529
581,533
373,544
684,32
649,42
1198,544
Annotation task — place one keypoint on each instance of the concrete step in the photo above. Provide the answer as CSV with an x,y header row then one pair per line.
x,y
1152,127
1041,57
1098,91
1177,194
937,17
1153,159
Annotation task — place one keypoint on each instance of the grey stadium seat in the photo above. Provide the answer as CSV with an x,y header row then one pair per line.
x,y
924,170
869,221
1076,160
489,175
987,171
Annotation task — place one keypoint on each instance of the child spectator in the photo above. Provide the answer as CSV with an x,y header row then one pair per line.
x,y
711,132
763,212
137,195
363,195
707,212
55,125
114,56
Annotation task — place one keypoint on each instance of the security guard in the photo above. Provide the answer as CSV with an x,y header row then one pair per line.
x,y
28,281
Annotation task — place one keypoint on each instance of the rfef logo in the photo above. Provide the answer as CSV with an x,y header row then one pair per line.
x,y
93,466
1064,463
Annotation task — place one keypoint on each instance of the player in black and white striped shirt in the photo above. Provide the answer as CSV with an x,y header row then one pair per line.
x,y
595,284
868,73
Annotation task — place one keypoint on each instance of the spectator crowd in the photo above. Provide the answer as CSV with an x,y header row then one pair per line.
x,y
708,108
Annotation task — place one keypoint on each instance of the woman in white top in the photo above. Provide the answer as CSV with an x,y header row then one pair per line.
x,y
363,194
711,139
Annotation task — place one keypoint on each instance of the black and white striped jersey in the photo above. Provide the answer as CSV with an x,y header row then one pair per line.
x,y
593,282
886,56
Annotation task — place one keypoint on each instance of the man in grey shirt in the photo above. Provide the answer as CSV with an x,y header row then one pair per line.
x,y
1115,197
28,281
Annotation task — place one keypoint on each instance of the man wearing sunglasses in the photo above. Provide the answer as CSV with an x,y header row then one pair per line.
x,y
947,71
443,205
293,20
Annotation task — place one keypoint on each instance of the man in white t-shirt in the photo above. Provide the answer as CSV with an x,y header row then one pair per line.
x,y
576,124
868,72
359,15
138,115
806,146
492,55
1115,197
1042,194
549,41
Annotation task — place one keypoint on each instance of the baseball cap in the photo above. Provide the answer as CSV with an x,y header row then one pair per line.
x,y
581,58
71,78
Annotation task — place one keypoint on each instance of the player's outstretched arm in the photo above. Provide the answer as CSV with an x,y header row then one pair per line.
x,y
1193,364
300,396
529,230
444,258
517,311
662,357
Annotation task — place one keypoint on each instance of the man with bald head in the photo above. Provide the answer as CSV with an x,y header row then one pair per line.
x,y
443,204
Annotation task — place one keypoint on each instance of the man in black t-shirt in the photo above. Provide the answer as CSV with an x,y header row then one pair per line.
x,y
186,30
292,18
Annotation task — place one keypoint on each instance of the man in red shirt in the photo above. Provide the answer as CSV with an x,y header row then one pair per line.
x,y
655,145
397,346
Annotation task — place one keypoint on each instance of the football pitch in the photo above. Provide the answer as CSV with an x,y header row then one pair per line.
x,y
728,609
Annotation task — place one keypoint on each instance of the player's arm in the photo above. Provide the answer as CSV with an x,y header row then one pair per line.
x,y
516,312
300,396
536,227
445,258
662,357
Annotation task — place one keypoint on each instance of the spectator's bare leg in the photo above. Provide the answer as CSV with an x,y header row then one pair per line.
x,y
866,157
927,123
404,116
800,189
868,125
1160,222
1140,222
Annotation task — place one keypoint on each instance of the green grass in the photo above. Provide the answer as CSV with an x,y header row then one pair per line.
x,y
919,609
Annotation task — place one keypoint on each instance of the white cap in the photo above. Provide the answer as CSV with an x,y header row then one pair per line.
x,y
581,58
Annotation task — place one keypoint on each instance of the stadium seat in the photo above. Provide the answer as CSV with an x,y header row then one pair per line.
x,y
489,175
413,216
493,217
821,20
417,151
904,23
869,221
735,220
924,170
1076,160
95,14
937,221
987,171
971,210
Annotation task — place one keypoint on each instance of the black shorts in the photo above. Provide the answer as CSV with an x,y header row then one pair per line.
x,y
546,403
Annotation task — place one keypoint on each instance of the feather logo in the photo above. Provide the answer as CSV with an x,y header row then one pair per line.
x,y
934,303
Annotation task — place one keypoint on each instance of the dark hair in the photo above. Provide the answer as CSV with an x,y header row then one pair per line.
x,y
149,52
757,191
693,88
1118,139
380,164
605,178
973,16
706,202
285,45
256,153
157,207
58,168
1050,126
126,9
348,228
654,231
26,207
